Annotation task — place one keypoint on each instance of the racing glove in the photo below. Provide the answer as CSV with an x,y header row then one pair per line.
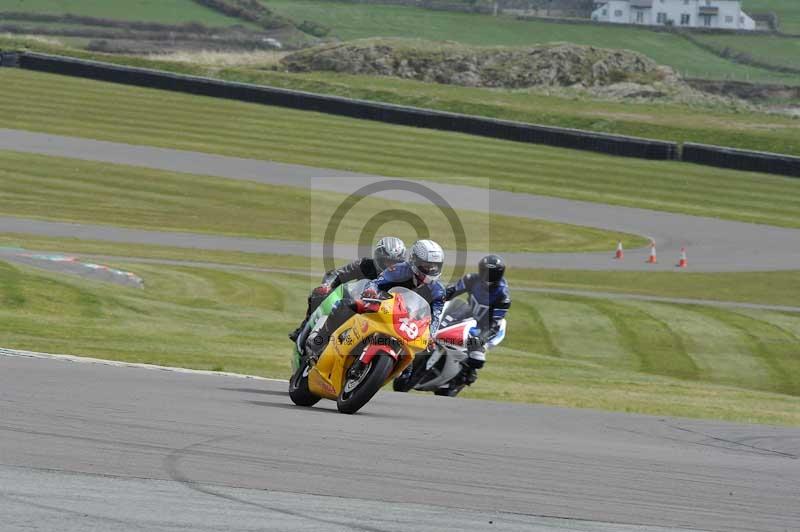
x,y
474,364
322,290
369,293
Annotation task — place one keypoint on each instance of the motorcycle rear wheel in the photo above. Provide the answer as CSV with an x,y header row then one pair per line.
x,y
359,388
298,387
417,373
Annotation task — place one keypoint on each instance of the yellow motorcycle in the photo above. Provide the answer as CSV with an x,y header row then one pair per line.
x,y
366,352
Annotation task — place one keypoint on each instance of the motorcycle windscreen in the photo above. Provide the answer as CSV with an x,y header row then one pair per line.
x,y
411,314
456,310
353,289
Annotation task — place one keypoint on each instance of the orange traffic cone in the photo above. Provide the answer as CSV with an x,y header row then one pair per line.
x,y
620,253
652,258
683,262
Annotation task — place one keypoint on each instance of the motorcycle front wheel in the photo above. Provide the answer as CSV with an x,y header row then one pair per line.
x,y
298,386
362,382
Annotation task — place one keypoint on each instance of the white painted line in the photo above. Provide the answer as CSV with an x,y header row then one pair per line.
x,y
118,364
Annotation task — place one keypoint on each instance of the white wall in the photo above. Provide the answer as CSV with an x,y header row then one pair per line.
x,y
674,9
615,11
729,14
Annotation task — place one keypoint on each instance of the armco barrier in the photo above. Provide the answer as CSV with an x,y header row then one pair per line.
x,y
394,114
754,161
9,59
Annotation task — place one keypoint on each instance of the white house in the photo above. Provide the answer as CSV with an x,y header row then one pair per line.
x,y
723,14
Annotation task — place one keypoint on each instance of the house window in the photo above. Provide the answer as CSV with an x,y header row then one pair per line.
x,y
686,2
661,18
618,13
685,19
728,19
707,21
605,12
640,17
741,20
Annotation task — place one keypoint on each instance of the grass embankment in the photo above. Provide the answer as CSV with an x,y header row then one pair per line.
x,y
629,356
706,123
77,107
53,188
163,12
356,21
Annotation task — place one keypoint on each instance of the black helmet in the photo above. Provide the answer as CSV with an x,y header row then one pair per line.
x,y
388,251
491,269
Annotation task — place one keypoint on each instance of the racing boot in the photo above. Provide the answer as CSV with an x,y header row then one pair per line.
x,y
295,334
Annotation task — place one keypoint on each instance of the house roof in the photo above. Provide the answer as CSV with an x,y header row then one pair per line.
x,y
642,3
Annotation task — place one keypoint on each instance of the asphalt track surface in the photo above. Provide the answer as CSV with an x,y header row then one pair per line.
x,y
714,245
86,446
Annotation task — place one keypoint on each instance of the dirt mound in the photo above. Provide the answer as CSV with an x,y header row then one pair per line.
x,y
550,65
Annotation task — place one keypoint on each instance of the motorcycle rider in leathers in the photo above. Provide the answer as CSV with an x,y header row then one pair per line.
x,y
419,273
387,252
490,300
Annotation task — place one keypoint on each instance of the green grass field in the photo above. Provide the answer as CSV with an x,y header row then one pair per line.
x,y
777,51
355,21
631,356
162,11
66,189
788,12
77,107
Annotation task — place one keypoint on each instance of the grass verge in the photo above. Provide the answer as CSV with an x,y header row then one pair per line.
x,y
67,189
82,108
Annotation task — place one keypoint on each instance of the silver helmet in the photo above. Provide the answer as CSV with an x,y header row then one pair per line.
x,y
388,251
427,259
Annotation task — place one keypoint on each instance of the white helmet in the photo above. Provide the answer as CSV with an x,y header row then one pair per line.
x,y
426,260
388,251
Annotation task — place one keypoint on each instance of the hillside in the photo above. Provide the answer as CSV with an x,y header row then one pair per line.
x,y
153,26
165,12
350,21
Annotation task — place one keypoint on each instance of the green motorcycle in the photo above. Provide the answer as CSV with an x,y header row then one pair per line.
x,y
351,290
